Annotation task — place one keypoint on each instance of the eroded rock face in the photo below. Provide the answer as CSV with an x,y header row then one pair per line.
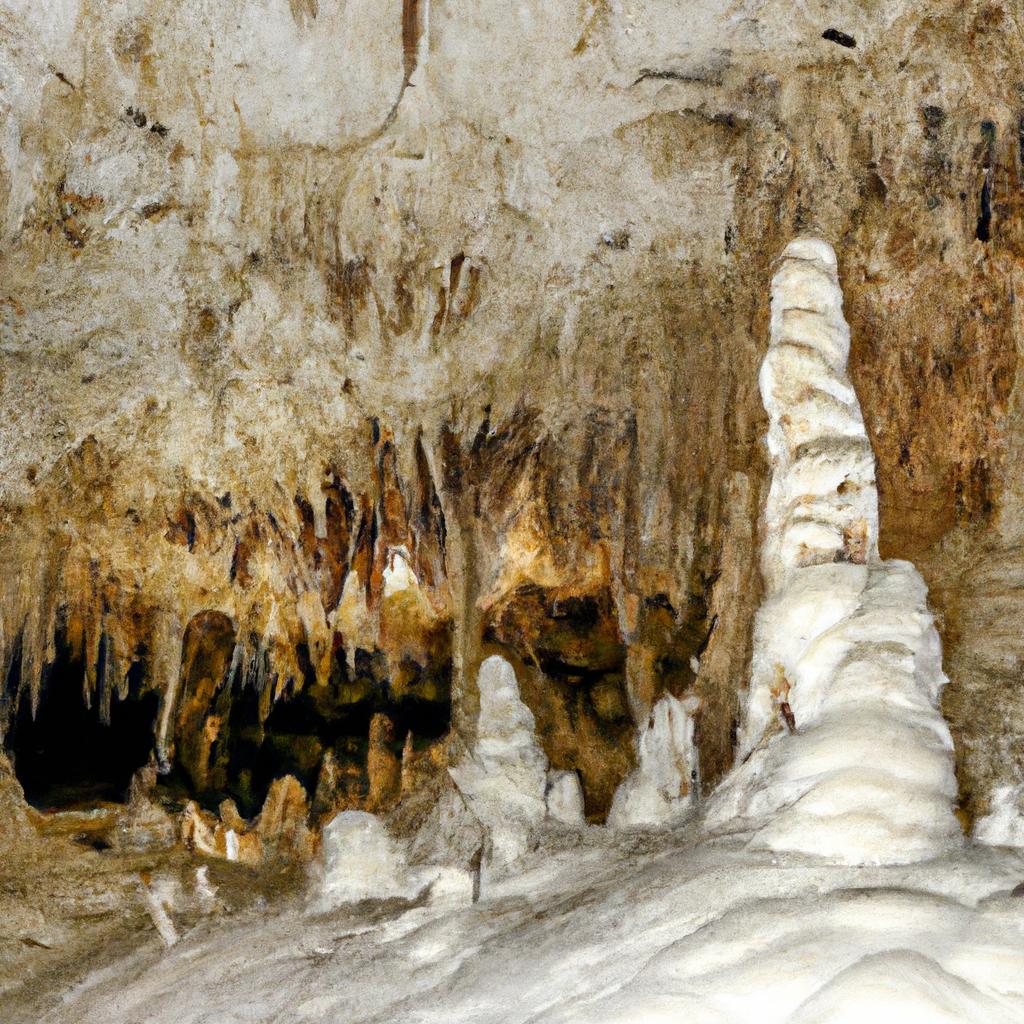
x,y
343,348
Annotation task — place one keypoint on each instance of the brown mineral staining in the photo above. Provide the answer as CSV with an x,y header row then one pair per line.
x,y
278,833
787,716
781,686
855,543
412,28
382,765
454,420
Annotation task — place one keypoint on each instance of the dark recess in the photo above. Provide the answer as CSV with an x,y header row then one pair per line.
x,y
66,755
984,230
833,35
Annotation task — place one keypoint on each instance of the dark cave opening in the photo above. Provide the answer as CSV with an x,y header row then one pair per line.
x,y
230,739
233,741
69,753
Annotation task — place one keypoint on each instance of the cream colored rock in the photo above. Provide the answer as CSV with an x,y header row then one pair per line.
x,y
663,787
564,798
845,752
1004,823
360,861
504,778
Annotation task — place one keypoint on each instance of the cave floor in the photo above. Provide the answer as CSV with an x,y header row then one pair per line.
x,y
597,928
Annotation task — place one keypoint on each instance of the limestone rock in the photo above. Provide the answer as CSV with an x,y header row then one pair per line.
x,y
360,861
663,786
1004,823
14,813
451,834
282,823
564,798
504,778
846,752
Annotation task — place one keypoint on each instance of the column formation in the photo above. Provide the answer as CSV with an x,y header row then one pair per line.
x,y
842,749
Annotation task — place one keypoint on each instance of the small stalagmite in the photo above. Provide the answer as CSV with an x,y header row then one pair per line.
x,y
504,778
383,766
282,823
564,798
662,788
280,832
359,861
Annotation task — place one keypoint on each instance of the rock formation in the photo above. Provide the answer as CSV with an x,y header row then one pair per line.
x,y
845,751
1004,823
345,347
504,778
564,798
360,861
664,784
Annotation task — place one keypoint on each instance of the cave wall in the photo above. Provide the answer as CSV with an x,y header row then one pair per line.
x,y
326,319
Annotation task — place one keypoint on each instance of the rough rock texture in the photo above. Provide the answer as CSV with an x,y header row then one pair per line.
x,y
293,290
343,347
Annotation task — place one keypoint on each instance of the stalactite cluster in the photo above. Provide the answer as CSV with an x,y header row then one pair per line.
x,y
259,637
355,358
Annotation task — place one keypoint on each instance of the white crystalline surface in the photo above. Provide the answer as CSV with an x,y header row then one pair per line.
x,y
1004,824
844,639
504,779
359,861
652,928
662,786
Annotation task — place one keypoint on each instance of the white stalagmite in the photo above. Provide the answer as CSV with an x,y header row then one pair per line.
x,y
360,861
843,750
662,786
1004,823
505,778
564,798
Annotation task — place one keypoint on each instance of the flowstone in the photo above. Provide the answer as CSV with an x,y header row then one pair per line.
x,y
845,752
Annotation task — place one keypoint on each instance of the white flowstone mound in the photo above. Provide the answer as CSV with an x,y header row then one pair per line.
x,y
662,787
360,861
845,753
594,933
504,779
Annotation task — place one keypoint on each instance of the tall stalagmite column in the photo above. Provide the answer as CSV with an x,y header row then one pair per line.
x,y
843,751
